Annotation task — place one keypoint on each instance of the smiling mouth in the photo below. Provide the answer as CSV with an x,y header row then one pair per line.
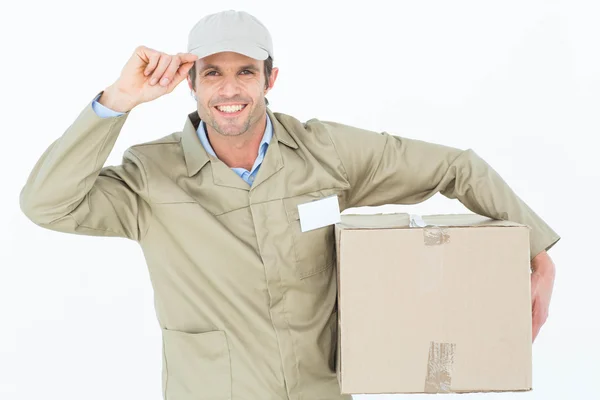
x,y
231,110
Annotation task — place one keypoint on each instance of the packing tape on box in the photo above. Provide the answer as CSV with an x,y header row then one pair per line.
x,y
440,360
440,364
416,221
434,237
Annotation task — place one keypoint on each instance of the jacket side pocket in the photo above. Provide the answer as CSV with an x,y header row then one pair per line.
x,y
196,365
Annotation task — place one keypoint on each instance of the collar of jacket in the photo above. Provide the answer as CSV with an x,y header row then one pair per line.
x,y
195,154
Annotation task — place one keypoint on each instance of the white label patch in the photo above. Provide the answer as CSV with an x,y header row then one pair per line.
x,y
319,213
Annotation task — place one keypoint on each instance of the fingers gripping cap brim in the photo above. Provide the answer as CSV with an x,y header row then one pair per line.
x,y
248,49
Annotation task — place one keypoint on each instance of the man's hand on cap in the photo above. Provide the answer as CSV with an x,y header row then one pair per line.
x,y
147,75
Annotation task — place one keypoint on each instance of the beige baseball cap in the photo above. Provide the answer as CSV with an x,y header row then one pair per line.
x,y
230,30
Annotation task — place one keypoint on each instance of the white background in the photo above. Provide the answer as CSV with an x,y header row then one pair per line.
x,y
517,81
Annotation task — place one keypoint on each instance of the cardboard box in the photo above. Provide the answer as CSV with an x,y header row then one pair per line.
x,y
439,308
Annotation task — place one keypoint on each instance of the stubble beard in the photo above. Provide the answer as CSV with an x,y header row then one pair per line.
x,y
253,117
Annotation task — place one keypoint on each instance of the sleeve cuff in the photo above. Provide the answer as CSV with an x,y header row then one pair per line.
x,y
543,242
103,111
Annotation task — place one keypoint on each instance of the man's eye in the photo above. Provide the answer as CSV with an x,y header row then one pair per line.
x,y
245,72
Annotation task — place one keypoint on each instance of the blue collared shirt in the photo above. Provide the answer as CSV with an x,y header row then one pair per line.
x,y
247,176
243,173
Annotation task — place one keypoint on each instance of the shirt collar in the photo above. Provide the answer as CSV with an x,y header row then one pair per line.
x,y
196,155
262,147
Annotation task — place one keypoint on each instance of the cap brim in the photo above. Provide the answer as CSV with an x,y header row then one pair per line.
x,y
248,49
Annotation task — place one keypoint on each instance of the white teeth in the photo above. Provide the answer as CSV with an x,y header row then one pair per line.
x,y
230,109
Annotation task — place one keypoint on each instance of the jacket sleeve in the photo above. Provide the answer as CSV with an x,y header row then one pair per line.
x,y
388,169
68,190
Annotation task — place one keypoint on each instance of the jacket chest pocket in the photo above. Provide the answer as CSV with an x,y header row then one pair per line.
x,y
196,365
314,250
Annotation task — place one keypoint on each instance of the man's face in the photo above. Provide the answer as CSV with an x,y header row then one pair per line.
x,y
231,90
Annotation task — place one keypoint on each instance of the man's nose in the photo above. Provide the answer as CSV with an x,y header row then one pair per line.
x,y
230,87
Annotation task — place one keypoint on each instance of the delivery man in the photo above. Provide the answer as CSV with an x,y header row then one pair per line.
x,y
246,300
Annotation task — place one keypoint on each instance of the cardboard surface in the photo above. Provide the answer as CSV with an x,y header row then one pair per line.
x,y
440,308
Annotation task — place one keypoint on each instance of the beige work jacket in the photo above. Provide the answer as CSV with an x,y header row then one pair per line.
x,y
246,301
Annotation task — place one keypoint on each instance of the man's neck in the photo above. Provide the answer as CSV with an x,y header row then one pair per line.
x,y
237,151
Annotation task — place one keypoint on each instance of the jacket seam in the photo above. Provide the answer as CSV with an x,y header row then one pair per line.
x,y
109,131
350,189
96,229
79,225
256,203
174,141
166,367
143,235
294,345
387,139
339,157
230,366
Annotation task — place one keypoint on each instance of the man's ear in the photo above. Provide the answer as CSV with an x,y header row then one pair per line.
x,y
189,81
272,79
